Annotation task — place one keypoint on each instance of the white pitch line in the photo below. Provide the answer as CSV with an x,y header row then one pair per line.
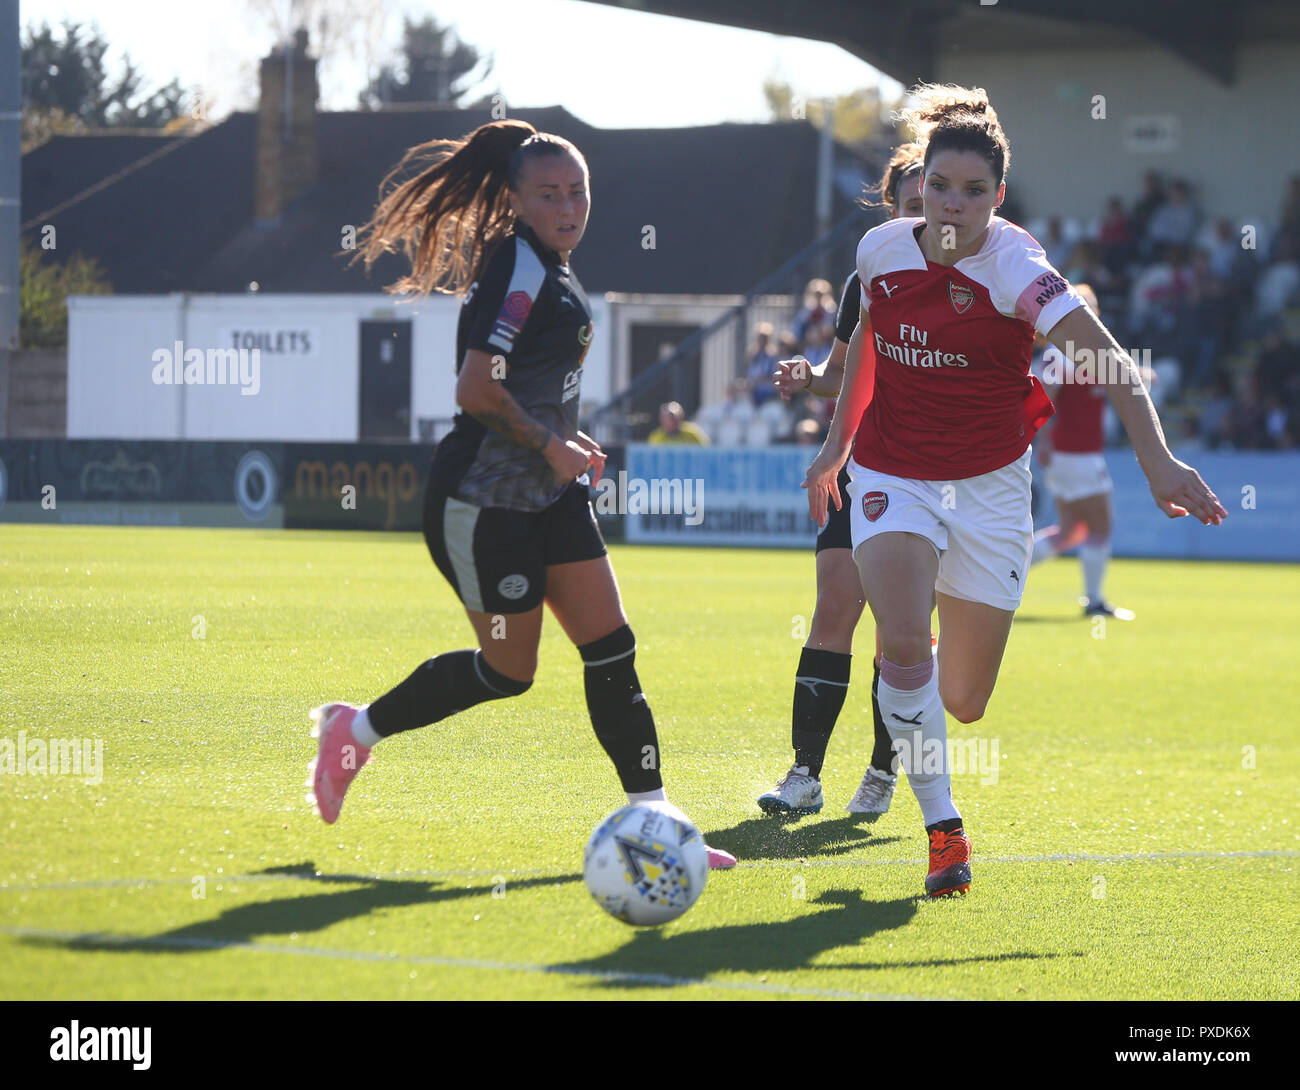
x,y
613,976
537,872
1060,857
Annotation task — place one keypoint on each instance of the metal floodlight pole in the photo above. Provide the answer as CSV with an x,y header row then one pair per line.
x,y
10,195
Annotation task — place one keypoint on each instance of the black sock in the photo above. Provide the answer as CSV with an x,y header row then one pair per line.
x,y
820,686
883,758
441,687
619,712
950,825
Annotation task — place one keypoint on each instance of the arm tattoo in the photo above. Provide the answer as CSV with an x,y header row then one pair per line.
x,y
516,425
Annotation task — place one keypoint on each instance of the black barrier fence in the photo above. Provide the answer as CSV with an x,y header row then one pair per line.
x,y
146,482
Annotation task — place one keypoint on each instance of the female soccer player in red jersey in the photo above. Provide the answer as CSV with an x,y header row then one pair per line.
x,y
940,497
507,519
822,677
1069,448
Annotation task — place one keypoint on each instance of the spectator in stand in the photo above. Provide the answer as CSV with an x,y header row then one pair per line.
x,y
1277,425
1084,266
808,433
1249,417
762,364
1207,320
817,343
1174,222
818,309
1290,222
675,428
1278,284
1278,369
1227,255
1158,297
1115,237
1055,244
1153,196
1216,416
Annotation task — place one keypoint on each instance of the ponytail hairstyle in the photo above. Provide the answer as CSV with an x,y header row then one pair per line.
x,y
946,117
449,217
907,160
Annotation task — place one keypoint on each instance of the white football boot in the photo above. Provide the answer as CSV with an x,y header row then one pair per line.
x,y
795,793
874,794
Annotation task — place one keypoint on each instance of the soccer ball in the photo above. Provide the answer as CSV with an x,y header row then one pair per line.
x,y
645,864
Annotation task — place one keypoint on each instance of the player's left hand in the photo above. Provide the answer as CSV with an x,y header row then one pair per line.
x,y
598,456
1179,490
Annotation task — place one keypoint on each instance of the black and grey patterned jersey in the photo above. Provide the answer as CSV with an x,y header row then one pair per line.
x,y
527,308
846,318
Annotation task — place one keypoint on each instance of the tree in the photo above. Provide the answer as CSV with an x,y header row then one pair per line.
x,y
857,116
434,66
43,293
67,88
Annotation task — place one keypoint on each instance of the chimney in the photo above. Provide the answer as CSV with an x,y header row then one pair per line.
x,y
286,128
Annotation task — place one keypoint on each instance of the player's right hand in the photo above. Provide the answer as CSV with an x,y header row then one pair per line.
x,y
822,482
595,453
792,377
567,459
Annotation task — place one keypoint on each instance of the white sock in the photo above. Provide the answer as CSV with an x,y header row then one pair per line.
x,y
924,753
362,732
1044,545
657,795
1094,559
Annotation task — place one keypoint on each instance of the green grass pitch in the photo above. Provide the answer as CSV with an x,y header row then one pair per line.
x,y
1140,840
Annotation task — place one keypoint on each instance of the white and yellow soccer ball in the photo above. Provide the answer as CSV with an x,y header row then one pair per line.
x,y
646,864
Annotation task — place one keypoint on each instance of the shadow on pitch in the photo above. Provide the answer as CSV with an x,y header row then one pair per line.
x,y
299,914
1041,618
784,838
656,959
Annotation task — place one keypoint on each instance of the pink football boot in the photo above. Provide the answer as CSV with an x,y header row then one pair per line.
x,y
338,760
720,860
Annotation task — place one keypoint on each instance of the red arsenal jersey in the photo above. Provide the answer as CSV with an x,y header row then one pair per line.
x,y
1080,406
953,395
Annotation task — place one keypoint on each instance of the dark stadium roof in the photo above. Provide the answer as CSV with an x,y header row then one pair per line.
x,y
162,213
904,39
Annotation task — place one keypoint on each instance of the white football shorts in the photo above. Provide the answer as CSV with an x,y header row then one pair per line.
x,y
981,528
1070,477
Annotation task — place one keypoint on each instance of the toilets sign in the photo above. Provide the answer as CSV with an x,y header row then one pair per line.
x,y
294,341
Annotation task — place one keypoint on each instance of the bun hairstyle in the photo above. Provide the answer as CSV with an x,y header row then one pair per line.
x,y
907,160
945,117
449,216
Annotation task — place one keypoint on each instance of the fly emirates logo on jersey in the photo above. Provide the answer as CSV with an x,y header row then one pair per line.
x,y
912,348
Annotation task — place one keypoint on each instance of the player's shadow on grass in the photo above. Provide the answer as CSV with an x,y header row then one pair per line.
x,y
1043,618
777,838
298,914
655,959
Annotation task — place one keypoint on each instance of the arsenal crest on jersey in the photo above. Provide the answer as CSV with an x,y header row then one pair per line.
x,y
961,297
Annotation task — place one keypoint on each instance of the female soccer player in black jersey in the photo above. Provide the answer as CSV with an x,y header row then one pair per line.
x,y
822,677
506,517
